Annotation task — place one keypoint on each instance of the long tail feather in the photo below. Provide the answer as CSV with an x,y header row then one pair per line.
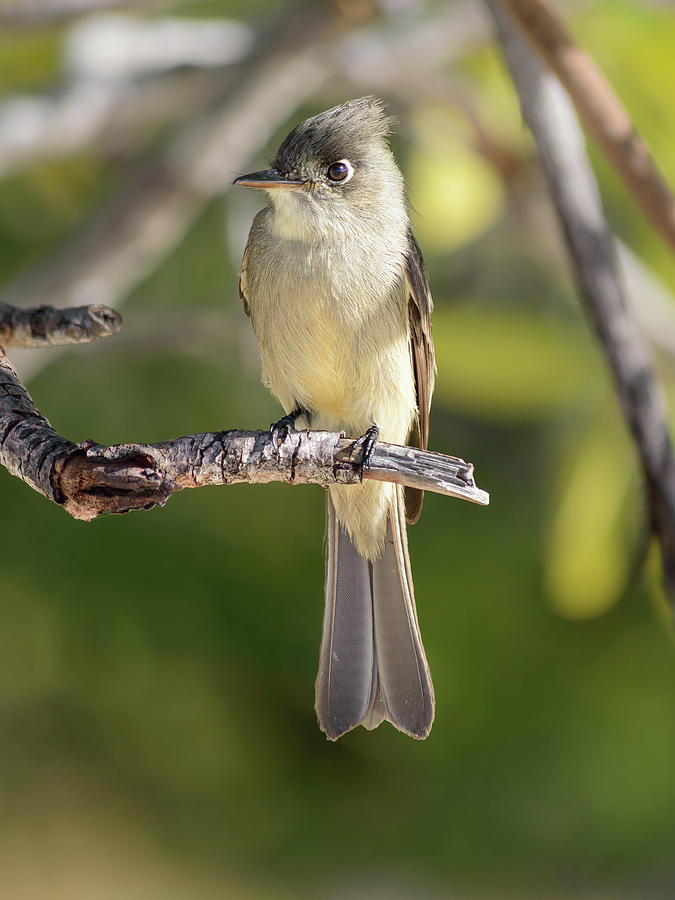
x,y
404,678
372,663
345,685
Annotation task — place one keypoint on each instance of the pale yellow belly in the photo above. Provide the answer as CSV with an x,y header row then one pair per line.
x,y
347,378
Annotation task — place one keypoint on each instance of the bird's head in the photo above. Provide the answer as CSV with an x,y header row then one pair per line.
x,y
333,169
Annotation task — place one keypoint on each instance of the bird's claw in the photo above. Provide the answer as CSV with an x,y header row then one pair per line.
x,y
280,430
367,441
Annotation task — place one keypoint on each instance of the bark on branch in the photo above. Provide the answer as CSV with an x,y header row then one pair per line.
x,y
88,479
47,326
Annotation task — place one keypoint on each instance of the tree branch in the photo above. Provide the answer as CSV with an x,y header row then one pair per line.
x,y
46,326
92,479
600,110
574,191
88,479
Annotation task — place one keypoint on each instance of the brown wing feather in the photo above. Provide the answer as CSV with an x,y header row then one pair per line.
x,y
243,281
422,357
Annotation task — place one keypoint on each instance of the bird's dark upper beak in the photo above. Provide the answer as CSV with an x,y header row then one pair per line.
x,y
268,178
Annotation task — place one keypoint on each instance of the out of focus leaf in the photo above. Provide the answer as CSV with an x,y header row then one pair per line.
x,y
508,364
455,192
494,96
587,559
29,642
29,60
42,202
657,594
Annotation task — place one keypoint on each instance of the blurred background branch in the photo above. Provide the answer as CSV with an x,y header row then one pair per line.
x,y
123,76
149,213
39,13
560,145
600,109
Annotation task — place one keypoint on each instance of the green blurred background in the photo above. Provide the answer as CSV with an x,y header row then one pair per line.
x,y
157,732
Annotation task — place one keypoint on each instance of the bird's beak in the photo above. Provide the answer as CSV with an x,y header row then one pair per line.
x,y
269,178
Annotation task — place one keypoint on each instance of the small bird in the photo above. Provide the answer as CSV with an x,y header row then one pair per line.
x,y
337,292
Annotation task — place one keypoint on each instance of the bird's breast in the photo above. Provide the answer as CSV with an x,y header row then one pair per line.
x,y
331,324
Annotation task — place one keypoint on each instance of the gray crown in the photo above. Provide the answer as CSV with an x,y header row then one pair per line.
x,y
343,132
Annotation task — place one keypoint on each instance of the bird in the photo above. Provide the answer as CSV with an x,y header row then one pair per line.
x,y
337,291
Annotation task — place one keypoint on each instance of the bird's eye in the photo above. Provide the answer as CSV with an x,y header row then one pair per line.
x,y
340,171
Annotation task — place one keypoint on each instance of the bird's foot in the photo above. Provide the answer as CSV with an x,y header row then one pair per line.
x,y
367,441
280,430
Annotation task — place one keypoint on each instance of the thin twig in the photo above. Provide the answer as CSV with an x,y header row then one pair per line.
x,y
88,479
563,158
46,326
600,110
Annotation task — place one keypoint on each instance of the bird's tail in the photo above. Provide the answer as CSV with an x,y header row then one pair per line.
x,y
372,664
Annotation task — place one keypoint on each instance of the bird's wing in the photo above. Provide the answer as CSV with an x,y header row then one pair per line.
x,y
422,357
243,281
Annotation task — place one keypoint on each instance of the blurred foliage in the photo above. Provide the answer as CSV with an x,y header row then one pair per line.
x,y
31,62
157,670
